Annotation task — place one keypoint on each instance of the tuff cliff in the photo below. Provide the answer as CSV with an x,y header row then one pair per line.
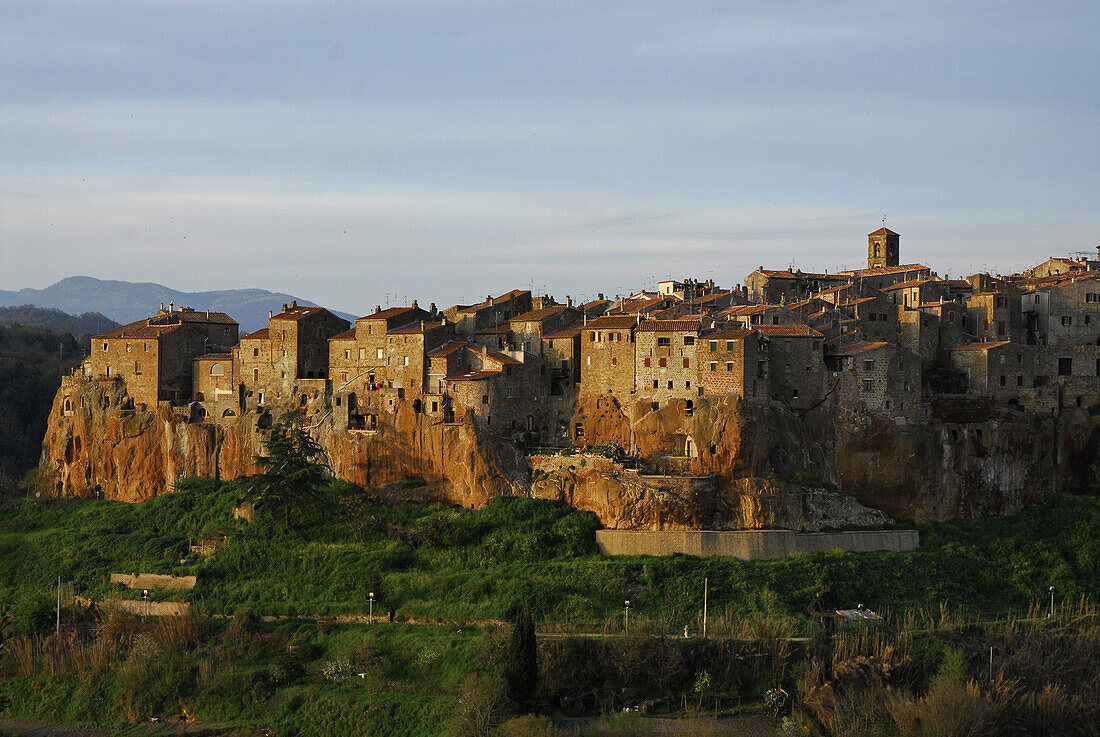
x,y
722,464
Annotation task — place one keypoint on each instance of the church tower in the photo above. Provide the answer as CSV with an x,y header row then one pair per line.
x,y
883,248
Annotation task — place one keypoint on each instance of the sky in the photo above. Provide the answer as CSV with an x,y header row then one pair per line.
x,y
374,152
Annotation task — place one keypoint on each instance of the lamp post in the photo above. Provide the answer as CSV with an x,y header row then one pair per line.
x,y
370,612
145,598
1051,614
626,614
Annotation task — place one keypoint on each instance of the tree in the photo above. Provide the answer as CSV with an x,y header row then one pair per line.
x,y
295,471
521,670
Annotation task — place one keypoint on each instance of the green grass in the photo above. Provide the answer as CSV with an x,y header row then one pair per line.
x,y
456,564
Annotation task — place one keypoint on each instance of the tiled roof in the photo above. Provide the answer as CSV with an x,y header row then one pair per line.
x,y
570,332
496,329
540,315
296,313
710,297
981,346
261,334
906,284
854,302
855,348
611,321
189,315
502,358
346,335
669,326
216,357
886,270
785,331
139,329
727,334
388,313
475,375
496,302
883,231
416,327
447,348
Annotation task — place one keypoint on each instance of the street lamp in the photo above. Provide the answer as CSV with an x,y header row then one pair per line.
x,y
626,610
1051,602
370,614
145,598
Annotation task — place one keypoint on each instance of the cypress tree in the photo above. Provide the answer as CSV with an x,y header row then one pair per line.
x,y
522,666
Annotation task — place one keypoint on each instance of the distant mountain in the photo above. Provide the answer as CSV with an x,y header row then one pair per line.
x,y
90,323
126,302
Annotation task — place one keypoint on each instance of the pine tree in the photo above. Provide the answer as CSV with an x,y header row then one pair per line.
x,y
521,669
294,472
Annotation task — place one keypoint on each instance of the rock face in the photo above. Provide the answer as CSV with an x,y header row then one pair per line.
x,y
724,464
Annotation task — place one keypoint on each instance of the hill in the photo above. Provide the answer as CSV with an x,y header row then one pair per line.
x,y
126,302
89,323
32,360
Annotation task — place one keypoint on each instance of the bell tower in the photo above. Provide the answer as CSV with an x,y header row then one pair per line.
x,y
883,248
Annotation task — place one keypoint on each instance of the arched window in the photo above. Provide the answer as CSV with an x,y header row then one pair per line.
x,y
217,370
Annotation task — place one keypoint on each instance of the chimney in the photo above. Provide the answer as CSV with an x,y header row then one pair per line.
x,y
284,306
162,307
377,309
293,303
432,309
489,299
600,295
171,306
568,301
270,314
415,305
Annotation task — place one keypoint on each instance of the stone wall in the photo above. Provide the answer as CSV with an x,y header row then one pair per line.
x,y
751,544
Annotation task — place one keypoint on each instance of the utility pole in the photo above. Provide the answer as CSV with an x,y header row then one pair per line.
x,y
58,627
706,585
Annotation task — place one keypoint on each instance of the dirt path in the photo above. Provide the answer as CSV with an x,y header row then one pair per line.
x,y
38,729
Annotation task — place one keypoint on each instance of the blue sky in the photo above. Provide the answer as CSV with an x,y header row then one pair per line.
x,y
374,152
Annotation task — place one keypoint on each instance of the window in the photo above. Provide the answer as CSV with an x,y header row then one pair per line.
x,y
775,320
689,340
105,346
1065,366
614,361
869,365
255,374
1090,297
347,353
647,362
145,347
407,363
729,345
127,347
670,384
255,352
1001,330
578,431
662,362
687,363
137,367
654,406
664,341
656,384
1003,380
868,385
216,370
1067,320
794,394
713,365
1000,302
379,354
1020,380
729,365
484,398
714,346
435,406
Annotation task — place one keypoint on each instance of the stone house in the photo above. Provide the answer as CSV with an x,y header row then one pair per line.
x,y
951,317
155,357
876,315
526,331
665,360
999,368
607,356
772,286
994,316
733,361
561,350
493,312
796,364
1065,313
885,276
877,375
1075,369
919,332
215,385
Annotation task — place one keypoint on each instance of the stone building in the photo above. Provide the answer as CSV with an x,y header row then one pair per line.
x,y
493,312
665,360
733,361
999,368
607,356
883,249
878,376
796,364
1065,313
155,356
215,385
994,316
770,286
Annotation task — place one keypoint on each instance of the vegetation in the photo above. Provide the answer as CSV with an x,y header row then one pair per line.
x,y
79,326
438,658
32,360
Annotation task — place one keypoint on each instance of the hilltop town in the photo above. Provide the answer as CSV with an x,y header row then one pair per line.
x,y
893,344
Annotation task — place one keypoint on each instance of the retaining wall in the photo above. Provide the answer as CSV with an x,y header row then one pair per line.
x,y
751,544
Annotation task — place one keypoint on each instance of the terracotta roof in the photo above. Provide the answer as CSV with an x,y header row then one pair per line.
x,y
959,283
215,357
447,348
261,334
710,297
502,358
981,346
907,284
883,231
610,321
539,315
346,335
505,328
570,332
388,313
777,273
727,334
853,302
496,301
189,315
669,326
474,376
855,348
296,313
416,327
886,270
139,329
785,331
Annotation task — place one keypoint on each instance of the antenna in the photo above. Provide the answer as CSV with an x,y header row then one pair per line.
x,y
884,220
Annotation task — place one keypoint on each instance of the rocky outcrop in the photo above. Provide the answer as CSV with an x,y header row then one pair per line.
x,y
722,464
